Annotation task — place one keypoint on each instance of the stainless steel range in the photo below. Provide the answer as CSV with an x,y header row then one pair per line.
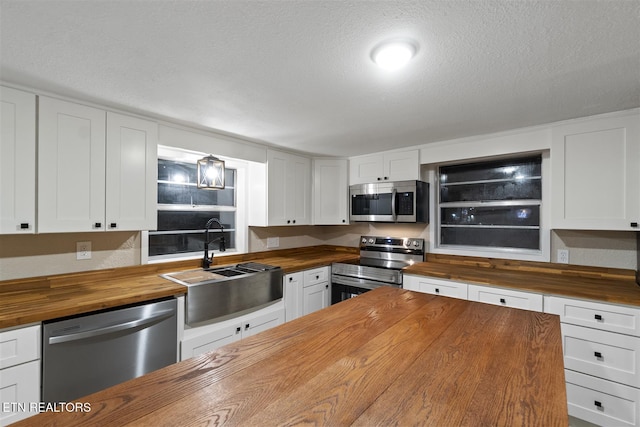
x,y
381,262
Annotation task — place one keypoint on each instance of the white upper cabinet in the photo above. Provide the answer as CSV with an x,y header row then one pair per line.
x,y
395,166
330,192
91,181
288,189
596,174
17,161
132,173
71,167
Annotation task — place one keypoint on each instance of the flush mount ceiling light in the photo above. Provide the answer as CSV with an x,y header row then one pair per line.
x,y
394,54
211,173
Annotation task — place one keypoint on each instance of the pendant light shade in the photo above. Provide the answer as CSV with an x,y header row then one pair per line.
x,y
211,173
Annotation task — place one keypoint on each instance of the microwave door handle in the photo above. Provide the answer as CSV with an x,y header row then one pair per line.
x,y
393,204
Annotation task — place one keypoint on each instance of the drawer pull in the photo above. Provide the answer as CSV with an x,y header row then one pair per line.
x,y
597,354
503,301
598,404
437,290
238,329
317,277
598,317
24,226
246,326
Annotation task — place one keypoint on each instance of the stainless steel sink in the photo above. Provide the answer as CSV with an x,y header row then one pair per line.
x,y
221,291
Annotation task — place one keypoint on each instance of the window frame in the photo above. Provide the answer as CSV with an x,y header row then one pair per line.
x,y
541,255
241,211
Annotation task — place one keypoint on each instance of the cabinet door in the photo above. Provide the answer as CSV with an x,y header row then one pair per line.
x,y
19,385
595,174
277,188
262,322
71,167
298,190
430,285
212,339
402,165
607,355
293,295
17,161
505,297
608,317
132,170
602,402
330,192
366,169
315,297
289,189
19,345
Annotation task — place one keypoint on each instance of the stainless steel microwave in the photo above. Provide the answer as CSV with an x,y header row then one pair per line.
x,y
399,201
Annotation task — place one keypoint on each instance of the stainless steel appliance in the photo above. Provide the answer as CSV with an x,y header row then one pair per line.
x,y
399,201
381,262
638,264
87,353
220,291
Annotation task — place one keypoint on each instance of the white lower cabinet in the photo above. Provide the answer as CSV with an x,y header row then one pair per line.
x,y
430,285
602,402
306,291
506,297
601,345
19,373
201,339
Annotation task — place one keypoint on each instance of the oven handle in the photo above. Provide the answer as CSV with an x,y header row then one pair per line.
x,y
360,283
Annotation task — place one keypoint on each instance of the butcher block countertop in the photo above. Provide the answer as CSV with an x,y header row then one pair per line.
x,y
24,301
593,283
388,357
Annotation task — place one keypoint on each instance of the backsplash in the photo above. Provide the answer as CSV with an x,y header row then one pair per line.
x,y
35,255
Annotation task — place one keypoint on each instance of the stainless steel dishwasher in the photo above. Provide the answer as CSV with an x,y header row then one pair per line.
x,y
87,353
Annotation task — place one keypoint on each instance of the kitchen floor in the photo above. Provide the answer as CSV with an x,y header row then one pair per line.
x,y
576,422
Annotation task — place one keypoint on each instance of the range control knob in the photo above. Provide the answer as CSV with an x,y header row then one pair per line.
x,y
371,241
416,243
364,240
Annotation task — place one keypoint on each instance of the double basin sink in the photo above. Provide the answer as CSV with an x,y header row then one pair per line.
x,y
222,291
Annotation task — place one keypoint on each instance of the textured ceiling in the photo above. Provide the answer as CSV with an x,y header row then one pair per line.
x,y
297,74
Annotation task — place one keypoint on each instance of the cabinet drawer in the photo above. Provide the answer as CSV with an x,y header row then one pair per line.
x,y
602,354
19,385
608,317
19,345
506,297
602,402
315,276
429,285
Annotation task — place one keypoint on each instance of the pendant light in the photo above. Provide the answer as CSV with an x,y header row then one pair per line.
x,y
211,173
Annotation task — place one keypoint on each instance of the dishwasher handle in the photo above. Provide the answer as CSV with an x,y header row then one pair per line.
x,y
161,315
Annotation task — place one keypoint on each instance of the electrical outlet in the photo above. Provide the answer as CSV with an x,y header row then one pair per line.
x,y
83,250
563,256
273,242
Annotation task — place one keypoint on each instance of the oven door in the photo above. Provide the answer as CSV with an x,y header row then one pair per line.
x,y
345,287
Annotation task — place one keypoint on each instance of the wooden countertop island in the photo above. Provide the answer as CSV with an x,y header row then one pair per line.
x,y
388,357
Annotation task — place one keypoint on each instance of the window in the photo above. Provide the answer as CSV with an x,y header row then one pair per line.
x,y
184,209
492,206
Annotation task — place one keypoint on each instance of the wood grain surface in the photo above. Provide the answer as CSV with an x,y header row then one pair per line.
x,y
593,283
388,357
37,299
